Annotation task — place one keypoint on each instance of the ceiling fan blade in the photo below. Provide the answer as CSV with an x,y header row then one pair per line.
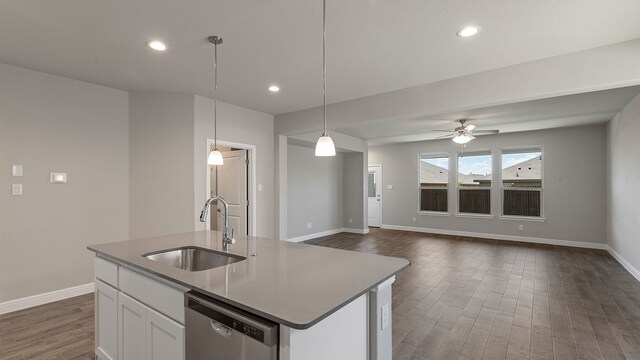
x,y
471,136
443,131
445,136
469,127
486,131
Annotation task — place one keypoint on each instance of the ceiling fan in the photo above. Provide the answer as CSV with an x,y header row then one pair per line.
x,y
463,134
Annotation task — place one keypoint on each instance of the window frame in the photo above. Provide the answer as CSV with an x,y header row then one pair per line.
x,y
540,218
485,152
433,155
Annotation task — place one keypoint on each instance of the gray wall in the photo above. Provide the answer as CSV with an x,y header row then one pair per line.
x,y
315,188
353,190
345,144
131,172
161,165
623,179
169,134
556,76
239,125
574,194
53,124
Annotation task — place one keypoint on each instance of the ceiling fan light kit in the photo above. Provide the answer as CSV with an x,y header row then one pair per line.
x,y
462,138
463,134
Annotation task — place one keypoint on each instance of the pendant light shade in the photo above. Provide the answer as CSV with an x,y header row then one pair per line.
x,y
215,156
324,146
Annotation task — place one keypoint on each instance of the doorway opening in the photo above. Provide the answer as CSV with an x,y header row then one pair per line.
x,y
234,181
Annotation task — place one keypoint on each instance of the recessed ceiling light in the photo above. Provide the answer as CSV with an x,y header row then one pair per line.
x,y
274,88
157,45
468,31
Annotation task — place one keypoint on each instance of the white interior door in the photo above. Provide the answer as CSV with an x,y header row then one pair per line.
x,y
374,181
232,186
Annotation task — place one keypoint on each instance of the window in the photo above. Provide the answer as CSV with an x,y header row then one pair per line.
x,y
474,183
522,182
434,183
371,179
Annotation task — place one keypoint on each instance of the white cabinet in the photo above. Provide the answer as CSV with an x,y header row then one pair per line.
x,y
146,334
106,321
138,320
165,337
131,328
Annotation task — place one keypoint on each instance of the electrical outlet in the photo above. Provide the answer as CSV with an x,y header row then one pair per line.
x,y
521,227
413,219
350,221
309,225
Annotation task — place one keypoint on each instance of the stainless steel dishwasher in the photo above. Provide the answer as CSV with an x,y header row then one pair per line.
x,y
216,331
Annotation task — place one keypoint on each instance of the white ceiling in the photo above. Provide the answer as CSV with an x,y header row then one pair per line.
x,y
571,110
374,46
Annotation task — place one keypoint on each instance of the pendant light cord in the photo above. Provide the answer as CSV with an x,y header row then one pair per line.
x,y
324,66
215,100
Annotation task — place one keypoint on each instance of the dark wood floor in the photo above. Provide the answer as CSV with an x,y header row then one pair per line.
x,y
460,299
61,330
468,298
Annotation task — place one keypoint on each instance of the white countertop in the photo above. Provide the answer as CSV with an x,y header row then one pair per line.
x,y
293,284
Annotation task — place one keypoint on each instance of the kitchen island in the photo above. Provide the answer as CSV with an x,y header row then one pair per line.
x,y
328,303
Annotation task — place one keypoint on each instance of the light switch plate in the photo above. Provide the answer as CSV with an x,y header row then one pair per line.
x,y
16,189
58,178
259,187
16,170
389,187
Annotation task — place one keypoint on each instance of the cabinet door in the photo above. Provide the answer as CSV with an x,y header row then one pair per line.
x,y
131,324
165,337
106,321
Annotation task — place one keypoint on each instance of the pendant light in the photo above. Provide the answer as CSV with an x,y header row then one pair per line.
x,y
215,156
324,146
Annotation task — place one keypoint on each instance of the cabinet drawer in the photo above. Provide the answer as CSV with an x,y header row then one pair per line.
x,y
161,297
106,271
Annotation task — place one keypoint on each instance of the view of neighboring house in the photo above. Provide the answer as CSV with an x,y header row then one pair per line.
x,y
524,174
435,176
473,196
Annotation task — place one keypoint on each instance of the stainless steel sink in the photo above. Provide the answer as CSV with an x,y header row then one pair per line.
x,y
191,258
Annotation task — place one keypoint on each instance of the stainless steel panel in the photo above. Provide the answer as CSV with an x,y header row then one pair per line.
x,y
217,332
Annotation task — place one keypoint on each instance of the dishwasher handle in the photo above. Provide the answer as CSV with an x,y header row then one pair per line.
x,y
220,328
225,320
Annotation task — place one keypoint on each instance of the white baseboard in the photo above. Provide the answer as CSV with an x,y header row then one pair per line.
x,y
315,235
579,244
327,233
630,268
356,231
45,298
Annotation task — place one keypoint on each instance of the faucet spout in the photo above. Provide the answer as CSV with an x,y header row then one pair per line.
x,y
226,239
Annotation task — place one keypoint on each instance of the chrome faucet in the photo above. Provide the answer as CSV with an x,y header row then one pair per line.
x,y
227,238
